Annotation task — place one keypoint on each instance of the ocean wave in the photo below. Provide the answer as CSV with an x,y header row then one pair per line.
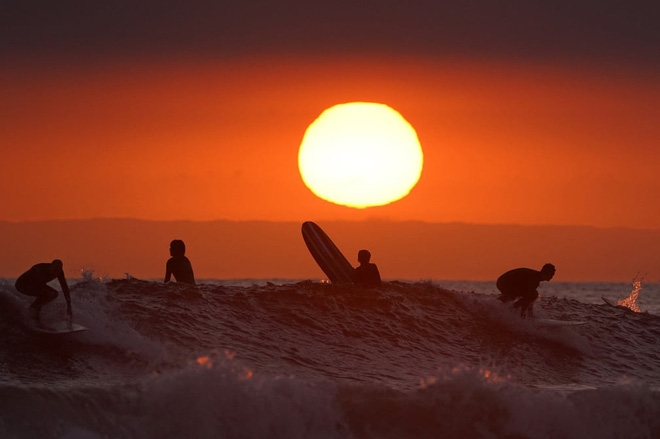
x,y
400,331
217,396
308,359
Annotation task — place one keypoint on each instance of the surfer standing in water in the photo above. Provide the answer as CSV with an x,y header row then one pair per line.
x,y
522,283
366,274
34,283
179,265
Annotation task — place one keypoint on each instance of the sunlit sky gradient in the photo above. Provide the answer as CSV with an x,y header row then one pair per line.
x,y
527,112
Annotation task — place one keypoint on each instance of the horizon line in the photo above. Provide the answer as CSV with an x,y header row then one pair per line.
x,y
357,221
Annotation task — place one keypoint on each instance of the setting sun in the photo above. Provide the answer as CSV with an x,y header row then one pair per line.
x,y
360,154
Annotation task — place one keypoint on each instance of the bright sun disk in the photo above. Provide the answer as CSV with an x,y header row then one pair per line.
x,y
360,154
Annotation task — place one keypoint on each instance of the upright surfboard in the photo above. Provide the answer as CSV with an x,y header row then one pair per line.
x,y
326,254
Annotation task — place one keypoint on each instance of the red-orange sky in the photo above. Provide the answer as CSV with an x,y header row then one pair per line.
x,y
528,113
504,141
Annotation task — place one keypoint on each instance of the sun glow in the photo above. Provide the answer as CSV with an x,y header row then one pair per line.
x,y
360,154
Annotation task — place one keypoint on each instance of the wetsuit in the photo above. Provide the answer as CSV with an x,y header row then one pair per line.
x,y
367,275
519,283
181,268
33,283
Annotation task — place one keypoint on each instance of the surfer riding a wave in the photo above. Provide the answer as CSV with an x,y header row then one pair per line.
x,y
34,283
521,284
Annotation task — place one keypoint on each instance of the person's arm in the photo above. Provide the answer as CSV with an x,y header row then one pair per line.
x,y
168,272
376,274
67,294
192,274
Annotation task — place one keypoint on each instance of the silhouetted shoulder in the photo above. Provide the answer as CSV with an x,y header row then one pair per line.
x,y
367,275
37,274
181,269
519,278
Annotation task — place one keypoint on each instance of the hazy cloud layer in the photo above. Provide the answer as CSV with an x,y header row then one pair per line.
x,y
570,29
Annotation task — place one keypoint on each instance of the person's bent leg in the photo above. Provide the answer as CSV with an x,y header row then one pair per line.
x,y
526,303
44,295
507,295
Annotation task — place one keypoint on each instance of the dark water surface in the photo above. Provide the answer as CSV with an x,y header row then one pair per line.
x,y
309,359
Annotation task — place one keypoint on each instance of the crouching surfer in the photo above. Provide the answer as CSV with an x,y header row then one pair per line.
x,y
366,274
34,283
521,284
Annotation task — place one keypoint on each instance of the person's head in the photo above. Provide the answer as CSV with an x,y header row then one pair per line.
x,y
364,256
56,267
177,248
547,272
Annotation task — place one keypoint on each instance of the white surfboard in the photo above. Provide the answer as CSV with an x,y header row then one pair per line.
x,y
59,328
553,322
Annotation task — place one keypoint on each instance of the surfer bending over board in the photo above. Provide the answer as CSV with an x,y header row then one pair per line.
x,y
34,283
179,265
366,274
521,284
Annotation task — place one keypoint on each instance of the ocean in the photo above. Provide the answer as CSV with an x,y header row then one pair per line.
x,y
278,358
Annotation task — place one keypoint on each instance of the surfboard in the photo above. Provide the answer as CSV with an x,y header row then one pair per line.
x,y
326,254
610,303
59,328
553,322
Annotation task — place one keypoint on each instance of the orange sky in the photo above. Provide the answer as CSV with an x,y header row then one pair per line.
x,y
503,142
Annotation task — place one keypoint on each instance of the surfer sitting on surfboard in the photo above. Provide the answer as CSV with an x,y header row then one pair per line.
x,y
522,283
366,274
179,265
34,283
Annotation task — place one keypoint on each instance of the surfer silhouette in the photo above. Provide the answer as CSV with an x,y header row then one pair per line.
x,y
179,265
366,274
521,284
34,283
